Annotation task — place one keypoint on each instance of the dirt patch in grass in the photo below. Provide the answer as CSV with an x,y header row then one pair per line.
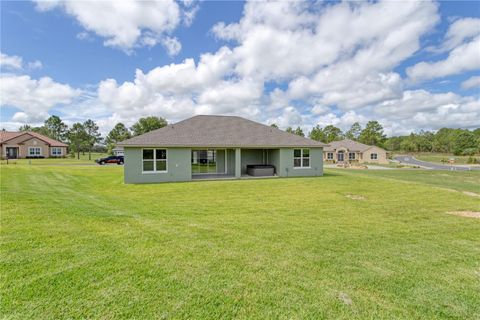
x,y
345,298
469,214
471,194
355,197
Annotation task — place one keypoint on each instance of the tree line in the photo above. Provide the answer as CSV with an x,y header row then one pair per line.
x,y
445,140
85,136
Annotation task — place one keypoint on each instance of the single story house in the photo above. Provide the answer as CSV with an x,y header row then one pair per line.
x,y
118,151
353,152
15,145
219,146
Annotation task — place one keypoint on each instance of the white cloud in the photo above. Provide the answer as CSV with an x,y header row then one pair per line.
x,y
35,65
33,97
472,82
460,31
465,57
172,45
284,40
15,63
422,109
10,62
123,24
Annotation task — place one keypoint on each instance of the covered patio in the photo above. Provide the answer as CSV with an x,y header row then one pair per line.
x,y
224,163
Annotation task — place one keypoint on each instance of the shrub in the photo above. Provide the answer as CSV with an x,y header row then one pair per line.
x,y
472,160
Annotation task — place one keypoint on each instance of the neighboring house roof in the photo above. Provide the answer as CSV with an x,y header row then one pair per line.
x,y
347,144
219,131
9,135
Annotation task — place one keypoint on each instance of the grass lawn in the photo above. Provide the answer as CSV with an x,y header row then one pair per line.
x,y
442,157
77,243
57,161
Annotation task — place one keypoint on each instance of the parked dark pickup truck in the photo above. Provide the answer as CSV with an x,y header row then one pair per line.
x,y
110,159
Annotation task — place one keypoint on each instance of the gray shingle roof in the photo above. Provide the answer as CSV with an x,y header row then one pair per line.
x,y
219,131
348,144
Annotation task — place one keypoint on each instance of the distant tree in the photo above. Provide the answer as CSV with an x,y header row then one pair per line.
x,y
119,133
273,125
393,143
147,124
476,132
443,141
93,136
464,140
332,133
299,132
55,128
354,132
372,134
78,138
317,134
25,128
408,144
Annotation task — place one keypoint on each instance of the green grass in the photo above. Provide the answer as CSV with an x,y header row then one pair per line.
x,y
442,157
57,161
455,180
77,243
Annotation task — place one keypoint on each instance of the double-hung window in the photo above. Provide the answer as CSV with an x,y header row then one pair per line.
x,y
154,160
373,156
56,151
329,155
301,158
34,151
351,156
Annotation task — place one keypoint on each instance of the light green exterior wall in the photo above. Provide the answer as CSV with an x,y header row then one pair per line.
x,y
286,164
274,159
251,156
220,161
230,161
178,166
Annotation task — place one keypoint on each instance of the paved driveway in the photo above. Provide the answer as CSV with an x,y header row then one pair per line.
x,y
429,165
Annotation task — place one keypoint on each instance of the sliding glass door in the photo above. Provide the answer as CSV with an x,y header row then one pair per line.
x,y
204,161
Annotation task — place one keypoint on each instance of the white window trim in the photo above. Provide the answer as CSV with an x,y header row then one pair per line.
x,y
155,161
301,159
328,154
33,155
371,156
57,154
354,156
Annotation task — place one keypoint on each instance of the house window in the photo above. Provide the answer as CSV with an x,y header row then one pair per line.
x,y
34,151
301,158
373,156
351,156
154,160
330,156
56,151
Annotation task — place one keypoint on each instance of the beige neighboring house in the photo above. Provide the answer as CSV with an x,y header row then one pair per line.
x,y
353,152
16,145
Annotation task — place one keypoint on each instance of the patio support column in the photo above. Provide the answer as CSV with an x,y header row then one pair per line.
x,y
238,163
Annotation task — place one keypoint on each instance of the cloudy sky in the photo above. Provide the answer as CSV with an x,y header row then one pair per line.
x,y
409,64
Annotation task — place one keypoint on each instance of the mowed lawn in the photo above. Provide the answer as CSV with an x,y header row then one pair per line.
x,y
443,157
77,243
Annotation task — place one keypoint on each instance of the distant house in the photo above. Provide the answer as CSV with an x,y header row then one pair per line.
x,y
118,151
219,146
15,145
353,152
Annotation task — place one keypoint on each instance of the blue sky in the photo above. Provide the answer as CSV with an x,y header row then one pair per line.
x,y
412,67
